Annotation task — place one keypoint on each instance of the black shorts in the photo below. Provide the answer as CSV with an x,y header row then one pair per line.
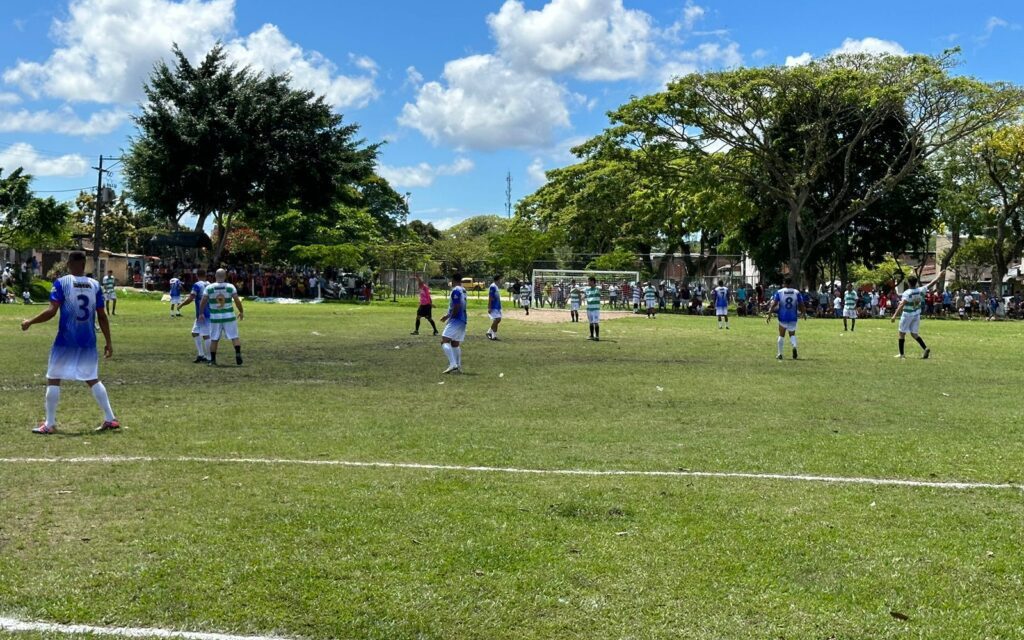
x,y
425,311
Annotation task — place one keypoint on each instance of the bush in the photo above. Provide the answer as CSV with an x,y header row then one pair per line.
x,y
39,290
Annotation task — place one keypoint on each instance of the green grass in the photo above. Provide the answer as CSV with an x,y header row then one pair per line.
x,y
329,552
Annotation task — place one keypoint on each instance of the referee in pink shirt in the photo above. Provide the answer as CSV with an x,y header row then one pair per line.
x,y
426,307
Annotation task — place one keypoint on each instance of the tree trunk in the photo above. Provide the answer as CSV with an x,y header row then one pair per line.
x,y
795,262
223,229
947,258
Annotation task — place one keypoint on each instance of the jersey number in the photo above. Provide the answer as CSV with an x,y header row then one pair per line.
x,y
789,303
83,308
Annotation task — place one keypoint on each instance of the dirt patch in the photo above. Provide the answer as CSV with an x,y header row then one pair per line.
x,y
551,316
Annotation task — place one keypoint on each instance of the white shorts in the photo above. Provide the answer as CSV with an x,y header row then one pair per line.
x,y
227,330
574,306
526,304
593,317
72,363
494,315
850,313
175,299
721,311
910,323
649,304
454,332
201,328
788,326
110,296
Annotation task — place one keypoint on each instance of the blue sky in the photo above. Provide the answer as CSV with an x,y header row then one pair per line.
x,y
461,90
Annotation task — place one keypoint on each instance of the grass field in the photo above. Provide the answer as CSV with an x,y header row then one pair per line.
x,y
304,551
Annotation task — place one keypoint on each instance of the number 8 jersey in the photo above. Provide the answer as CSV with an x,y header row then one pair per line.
x,y
789,303
79,297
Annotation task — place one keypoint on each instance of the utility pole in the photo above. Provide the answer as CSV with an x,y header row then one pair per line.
x,y
96,222
508,194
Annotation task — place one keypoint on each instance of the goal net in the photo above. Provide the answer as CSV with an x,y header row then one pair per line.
x,y
551,287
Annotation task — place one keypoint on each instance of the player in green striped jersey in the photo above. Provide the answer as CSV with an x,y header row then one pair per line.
x,y
850,307
593,295
222,298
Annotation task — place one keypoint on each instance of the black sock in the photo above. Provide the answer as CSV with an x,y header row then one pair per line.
x,y
920,342
213,356
853,325
591,329
238,349
844,325
417,323
597,331
431,321
902,341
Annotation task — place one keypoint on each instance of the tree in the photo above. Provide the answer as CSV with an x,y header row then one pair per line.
x,y
518,249
974,257
838,104
222,142
27,221
124,226
1001,154
465,247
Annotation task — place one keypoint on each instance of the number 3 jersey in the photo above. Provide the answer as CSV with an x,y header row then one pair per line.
x,y
79,297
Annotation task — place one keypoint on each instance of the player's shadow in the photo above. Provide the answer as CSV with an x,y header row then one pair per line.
x,y
83,434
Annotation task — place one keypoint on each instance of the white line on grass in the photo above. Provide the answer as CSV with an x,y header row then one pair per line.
x,y
931,484
14,626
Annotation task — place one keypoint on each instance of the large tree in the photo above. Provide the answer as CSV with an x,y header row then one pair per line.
x,y
222,142
1001,155
25,220
738,112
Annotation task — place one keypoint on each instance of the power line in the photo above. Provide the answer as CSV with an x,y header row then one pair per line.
x,y
61,190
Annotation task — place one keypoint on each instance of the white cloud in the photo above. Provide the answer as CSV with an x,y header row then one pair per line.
x,y
63,121
800,60
486,104
994,23
691,14
590,39
413,77
445,223
108,47
875,46
708,55
536,172
423,174
269,50
25,156
759,53
9,98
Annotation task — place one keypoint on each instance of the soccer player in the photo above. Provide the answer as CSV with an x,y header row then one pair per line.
x,y
575,299
201,328
650,296
636,297
494,306
220,299
426,309
593,295
175,297
109,292
790,305
73,356
850,307
526,296
910,307
721,296
455,326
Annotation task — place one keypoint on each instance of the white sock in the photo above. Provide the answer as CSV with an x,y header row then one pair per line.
x,y
458,356
206,345
100,393
199,346
782,341
792,340
448,352
52,398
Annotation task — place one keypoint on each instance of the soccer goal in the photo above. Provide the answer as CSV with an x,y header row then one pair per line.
x,y
551,287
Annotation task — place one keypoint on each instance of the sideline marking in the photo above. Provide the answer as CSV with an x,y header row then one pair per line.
x,y
23,626
931,484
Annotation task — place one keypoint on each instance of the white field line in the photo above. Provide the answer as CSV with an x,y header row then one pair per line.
x,y
963,485
14,626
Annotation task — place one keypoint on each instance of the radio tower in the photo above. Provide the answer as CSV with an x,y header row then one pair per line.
x,y
508,194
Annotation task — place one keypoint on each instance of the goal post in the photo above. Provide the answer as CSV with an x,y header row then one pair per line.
x,y
561,282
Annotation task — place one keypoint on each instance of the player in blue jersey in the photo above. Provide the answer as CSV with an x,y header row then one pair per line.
x,y
721,296
910,308
455,328
790,304
175,294
79,301
494,306
201,328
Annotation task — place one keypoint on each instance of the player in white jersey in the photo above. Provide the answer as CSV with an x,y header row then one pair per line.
x,y
910,308
73,356
201,327
110,293
175,294
721,296
494,307
455,328
526,296
221,299
790,304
